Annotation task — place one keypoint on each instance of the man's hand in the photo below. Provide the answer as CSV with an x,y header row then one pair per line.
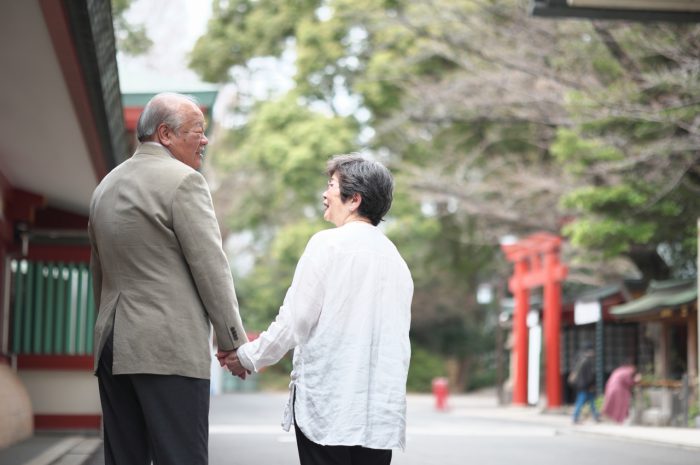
x,y
232,363
234,366
221,356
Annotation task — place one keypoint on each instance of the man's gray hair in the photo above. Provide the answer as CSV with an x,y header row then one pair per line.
x,y
161,109
369,178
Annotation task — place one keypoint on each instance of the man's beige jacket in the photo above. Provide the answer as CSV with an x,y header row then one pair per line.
x,y
160,275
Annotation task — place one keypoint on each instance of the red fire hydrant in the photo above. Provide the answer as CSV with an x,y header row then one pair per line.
x,y
440,392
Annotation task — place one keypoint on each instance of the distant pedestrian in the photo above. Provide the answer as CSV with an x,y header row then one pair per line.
x,y
618,392
582,378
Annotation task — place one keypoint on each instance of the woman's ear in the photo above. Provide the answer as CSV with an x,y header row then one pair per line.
x,y
356,200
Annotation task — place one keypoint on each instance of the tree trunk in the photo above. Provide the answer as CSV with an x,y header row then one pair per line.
x,y
458,373
649,263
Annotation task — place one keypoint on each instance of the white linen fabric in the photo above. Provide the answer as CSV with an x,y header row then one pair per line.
x,y
347,314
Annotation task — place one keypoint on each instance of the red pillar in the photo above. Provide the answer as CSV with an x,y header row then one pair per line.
x,y
552,323
536,263
522,302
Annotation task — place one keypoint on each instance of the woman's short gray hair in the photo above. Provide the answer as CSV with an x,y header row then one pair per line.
x,y
370,179
161,109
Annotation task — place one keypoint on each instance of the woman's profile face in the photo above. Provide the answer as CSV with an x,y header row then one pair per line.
x,y
335,210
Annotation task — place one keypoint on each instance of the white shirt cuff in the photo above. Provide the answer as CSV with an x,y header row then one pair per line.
x,y
244,359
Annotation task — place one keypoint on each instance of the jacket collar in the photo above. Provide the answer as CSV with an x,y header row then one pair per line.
x,y
152,149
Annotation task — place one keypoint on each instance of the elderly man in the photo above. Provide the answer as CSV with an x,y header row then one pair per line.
x,y
161,279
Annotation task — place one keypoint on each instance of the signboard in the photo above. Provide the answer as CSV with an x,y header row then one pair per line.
x,y
586,312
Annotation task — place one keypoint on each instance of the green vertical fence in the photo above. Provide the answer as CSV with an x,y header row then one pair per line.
x,y
53,311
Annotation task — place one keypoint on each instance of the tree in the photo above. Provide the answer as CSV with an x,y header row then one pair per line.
x,y
609,111
132,39
414,66
274,165
635,145
270,174
447,268
494,123
323,45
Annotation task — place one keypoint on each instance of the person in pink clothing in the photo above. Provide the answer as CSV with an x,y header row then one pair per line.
x,y
618,391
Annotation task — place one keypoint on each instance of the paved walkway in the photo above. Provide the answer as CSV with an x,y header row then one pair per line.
x,y
85,449
52,449
484,405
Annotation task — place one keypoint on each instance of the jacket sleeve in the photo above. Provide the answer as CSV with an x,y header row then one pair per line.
x,y
197,231
95,268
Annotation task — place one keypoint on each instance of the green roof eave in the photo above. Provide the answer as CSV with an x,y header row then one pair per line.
x,y
140,99
661,295
599,293
508,304
205,98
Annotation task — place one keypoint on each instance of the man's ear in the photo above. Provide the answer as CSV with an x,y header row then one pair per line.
x,y
164,133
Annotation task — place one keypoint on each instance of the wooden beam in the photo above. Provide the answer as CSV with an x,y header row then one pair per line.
x,y
22,205
59,253
56,19
67,422
55,362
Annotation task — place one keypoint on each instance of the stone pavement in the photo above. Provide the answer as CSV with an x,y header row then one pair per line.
x,y
484,405
52,449
85,449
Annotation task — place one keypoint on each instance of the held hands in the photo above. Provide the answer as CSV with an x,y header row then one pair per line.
x,y
232,363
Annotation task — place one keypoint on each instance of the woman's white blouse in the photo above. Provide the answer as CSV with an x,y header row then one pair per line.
x,y
347,315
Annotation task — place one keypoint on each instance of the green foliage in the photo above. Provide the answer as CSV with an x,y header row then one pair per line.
x,y
578,154
447,267
612,237
615,198
242,29
425,366
463,338
291,241
607,70
261,293
319,49
283,149
694,411
296,142
629,151
132,39
276,377
483,377
380,93
356,46
492,123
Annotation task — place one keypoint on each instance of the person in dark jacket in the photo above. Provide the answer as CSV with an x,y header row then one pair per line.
x,y
584,382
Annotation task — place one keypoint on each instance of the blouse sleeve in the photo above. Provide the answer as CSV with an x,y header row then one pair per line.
x,y
298,314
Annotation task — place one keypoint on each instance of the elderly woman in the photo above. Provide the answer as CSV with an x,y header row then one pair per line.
x,y
618,391
347,316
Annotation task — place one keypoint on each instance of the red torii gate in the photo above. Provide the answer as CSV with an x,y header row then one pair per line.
x,y
536,263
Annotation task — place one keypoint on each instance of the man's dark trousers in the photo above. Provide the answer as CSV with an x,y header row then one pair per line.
x,y
146,417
